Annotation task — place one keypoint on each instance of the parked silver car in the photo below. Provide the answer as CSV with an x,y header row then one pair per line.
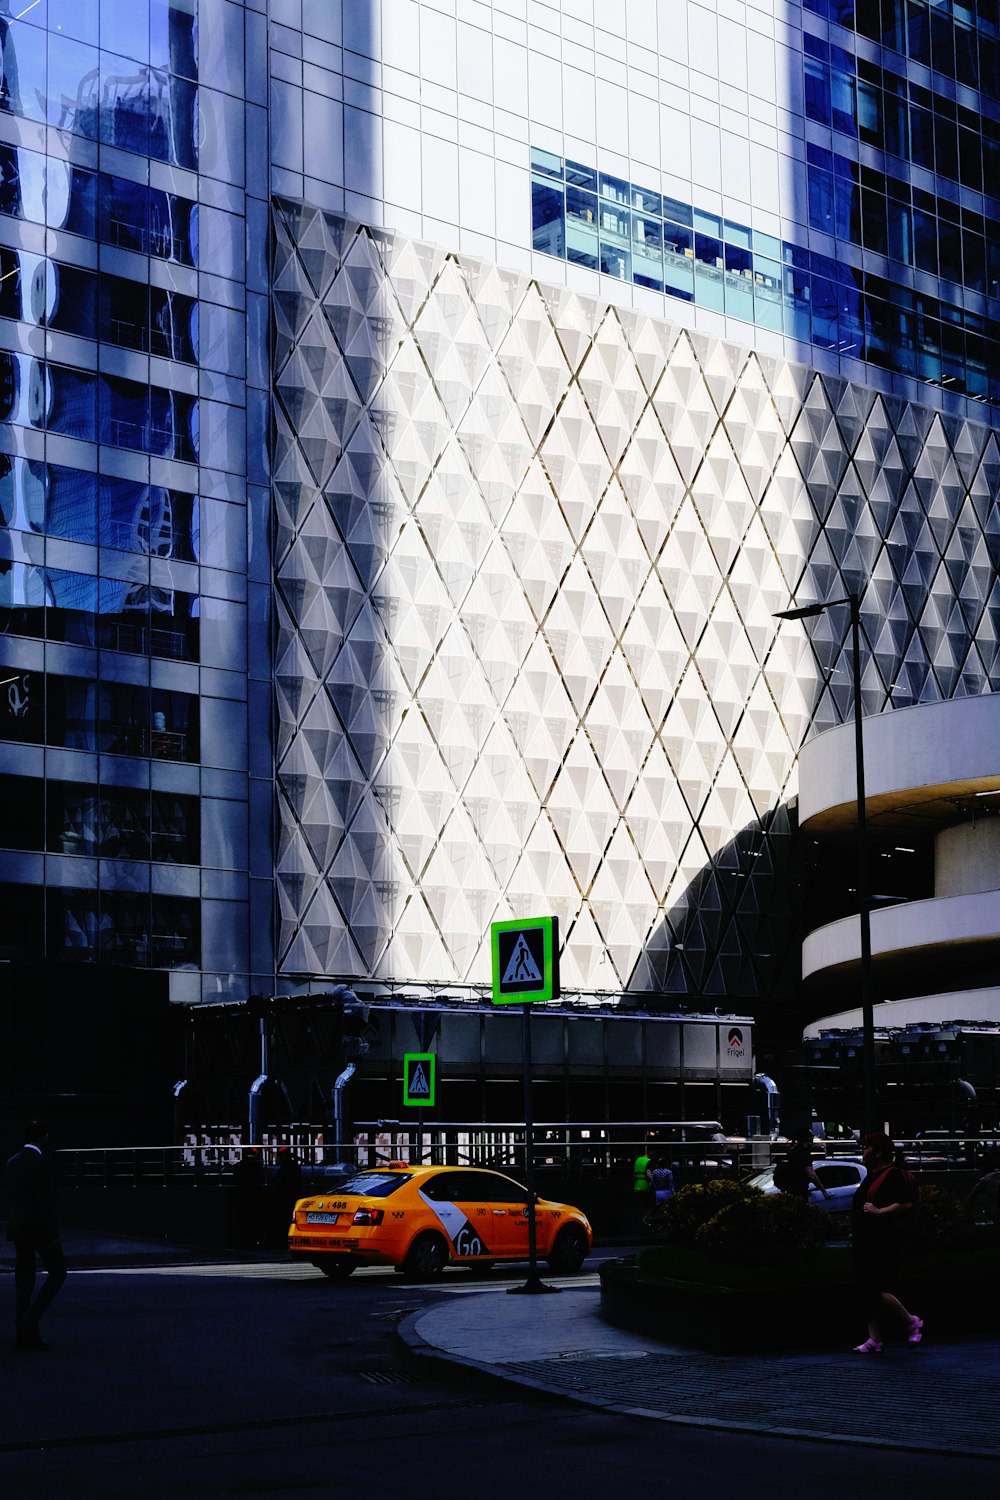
x,y
841,1176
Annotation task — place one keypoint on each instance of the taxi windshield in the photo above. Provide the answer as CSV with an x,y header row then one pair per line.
x,y
372,1185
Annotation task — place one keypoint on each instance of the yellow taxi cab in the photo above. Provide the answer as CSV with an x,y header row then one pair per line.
x,y
419,1219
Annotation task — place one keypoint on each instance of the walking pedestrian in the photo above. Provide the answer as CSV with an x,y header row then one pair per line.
x,y
882,1208
287,1190
983,1203
642,1193
248,1199
33,1230
797,1170
661,1180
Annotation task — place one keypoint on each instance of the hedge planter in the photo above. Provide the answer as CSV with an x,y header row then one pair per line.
x,y
683,1298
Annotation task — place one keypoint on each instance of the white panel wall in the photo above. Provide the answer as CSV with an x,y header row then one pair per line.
x,y
693,97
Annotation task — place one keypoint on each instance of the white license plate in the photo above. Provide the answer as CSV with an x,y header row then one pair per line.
x,y
321,1218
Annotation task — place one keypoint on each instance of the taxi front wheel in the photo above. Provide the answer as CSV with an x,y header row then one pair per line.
x,y
569,1251
426,1258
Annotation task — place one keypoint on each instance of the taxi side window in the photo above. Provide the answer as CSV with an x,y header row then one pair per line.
x,y
442,1187
499,1189
471,1187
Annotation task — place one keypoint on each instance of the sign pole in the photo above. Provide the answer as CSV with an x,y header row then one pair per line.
x,y
534,1283
420,1113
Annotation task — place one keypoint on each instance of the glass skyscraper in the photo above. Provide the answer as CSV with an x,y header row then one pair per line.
x,y
134,584
416,411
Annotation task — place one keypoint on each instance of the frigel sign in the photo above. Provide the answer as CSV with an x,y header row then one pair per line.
x,y
525,957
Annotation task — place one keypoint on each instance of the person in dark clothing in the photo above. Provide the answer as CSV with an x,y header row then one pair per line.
x,y
248,1199
882,1211
34,1232
798,1171
286,1189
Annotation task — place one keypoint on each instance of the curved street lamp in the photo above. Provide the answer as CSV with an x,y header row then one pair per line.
x,y
807,612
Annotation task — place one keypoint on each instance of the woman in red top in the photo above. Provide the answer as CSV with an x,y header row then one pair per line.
x,y
882,1212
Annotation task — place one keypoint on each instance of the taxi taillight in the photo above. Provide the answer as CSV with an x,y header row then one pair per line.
x,y
369,1215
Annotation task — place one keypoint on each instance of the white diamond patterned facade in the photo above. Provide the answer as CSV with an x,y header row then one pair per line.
x,y
528,550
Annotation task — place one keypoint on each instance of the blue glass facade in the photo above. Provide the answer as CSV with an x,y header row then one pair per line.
x,y
133,623
629,232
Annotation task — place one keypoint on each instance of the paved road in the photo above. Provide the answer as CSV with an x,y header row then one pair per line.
x,y
263,1379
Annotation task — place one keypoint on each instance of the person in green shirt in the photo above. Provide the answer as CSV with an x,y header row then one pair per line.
x,y
642,1193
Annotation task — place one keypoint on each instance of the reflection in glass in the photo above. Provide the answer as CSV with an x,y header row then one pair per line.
x,y
72,603
120,823
23,498
580,176
739,282
767,293
709,264
115,928
173,36
73,86
581,228
547,218
545,164
678,261
647,202
22,69
647,252
615,260
143,618
22,599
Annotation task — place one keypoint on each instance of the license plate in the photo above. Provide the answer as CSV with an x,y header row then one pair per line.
x,y
321,1218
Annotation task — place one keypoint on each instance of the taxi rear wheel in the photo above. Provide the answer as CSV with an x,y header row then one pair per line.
x,y
334,1269
426,1258
569,1251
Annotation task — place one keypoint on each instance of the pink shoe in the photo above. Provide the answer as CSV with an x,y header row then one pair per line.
x,y
916,1332
870,1346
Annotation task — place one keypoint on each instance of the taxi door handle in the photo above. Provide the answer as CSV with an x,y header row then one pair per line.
x,y
498,1213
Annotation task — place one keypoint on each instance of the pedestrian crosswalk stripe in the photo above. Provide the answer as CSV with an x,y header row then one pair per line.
x,y
522,968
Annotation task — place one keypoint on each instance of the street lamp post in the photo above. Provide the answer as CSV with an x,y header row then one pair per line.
x,y
806,612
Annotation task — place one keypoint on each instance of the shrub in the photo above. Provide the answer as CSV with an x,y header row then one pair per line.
x,y
941,1222
762,1230
682,1216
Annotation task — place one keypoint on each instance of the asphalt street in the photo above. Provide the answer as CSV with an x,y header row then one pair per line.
x,y
261,1378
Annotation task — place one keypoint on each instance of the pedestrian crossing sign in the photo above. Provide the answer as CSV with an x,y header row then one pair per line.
x,y
525,961
419,1080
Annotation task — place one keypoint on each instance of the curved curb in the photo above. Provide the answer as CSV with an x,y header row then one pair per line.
x,y
422,1348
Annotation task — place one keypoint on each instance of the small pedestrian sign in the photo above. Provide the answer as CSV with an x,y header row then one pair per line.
x,y
419,1080
525,961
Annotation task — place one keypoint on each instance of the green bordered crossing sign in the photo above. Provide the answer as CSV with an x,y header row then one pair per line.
x,y
419,1080
525,961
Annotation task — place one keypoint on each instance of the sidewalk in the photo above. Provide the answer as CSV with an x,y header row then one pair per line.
x,y
938,1398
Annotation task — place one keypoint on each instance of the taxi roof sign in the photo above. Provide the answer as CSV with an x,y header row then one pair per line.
x,y
525,965
419,1080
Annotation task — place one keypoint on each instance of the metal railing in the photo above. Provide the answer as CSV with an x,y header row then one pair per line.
x,y
588,1152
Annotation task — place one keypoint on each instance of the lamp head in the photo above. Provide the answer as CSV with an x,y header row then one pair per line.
x,y
803,612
